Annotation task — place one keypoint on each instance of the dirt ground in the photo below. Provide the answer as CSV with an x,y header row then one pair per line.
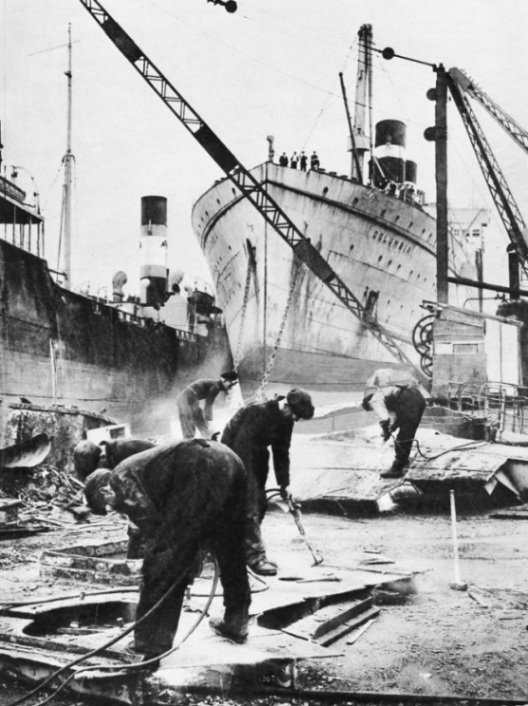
x,y
434,640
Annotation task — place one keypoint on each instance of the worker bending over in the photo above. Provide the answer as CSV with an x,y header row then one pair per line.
x,y
249,433
389,391
192,416
184,497
87,456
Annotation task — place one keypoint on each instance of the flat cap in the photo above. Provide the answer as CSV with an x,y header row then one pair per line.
x,y
300,403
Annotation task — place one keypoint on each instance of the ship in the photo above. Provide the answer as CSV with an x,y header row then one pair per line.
x,y
372,226
122,359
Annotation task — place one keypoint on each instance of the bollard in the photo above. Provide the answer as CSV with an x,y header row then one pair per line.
x,y
457,584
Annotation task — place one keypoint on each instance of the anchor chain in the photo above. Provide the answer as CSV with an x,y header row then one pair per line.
x,y
271,362
238,356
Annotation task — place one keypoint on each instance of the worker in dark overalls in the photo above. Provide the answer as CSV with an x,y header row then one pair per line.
x,y
192,416
389,392
184,497
87,456
249,433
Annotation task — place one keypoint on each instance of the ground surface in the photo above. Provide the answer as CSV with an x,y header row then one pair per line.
x,y
435,640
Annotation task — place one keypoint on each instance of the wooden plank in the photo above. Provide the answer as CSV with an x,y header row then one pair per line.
x,y
328,619
347,627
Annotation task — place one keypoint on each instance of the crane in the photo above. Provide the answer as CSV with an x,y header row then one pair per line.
x,y
249,186
511,126
460,87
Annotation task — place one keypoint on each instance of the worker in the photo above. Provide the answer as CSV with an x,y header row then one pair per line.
x,y
192,416
314,161
249,433
88,456
185,497
389,391
117,450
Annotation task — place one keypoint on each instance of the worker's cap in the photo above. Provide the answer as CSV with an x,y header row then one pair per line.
x,y
86,457
230,376
300,403
93,486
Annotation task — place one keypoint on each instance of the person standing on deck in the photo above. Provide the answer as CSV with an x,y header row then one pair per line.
x,y
389,391
192,416
249,434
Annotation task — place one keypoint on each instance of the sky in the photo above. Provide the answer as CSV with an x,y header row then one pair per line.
x,y
270,69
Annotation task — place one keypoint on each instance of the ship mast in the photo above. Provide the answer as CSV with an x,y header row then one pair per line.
x,y
67,160
363,99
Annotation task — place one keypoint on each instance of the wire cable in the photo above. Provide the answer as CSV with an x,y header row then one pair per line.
x,y
112,641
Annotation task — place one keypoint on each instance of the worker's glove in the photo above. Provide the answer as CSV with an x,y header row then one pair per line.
x,y
366,402
385,429
285,493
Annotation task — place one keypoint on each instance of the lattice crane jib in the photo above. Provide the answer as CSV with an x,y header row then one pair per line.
x,y
497,184
242,178
509,124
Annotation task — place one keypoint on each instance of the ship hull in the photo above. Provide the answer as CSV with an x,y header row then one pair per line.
x,y
383,248
62,348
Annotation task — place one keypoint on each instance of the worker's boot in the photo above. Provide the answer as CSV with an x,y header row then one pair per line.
x,y
395,471
233,632
263,566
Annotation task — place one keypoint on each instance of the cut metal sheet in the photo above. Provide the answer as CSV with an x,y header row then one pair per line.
x,y
26,454
472,465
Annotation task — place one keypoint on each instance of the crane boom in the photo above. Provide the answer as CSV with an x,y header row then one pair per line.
x,y
499,189
243,179
511,126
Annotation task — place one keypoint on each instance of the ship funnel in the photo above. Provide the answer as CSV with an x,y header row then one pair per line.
x,y
153,245
390,132
390,152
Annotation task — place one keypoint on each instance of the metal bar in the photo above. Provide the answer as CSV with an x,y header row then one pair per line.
x,y
484,285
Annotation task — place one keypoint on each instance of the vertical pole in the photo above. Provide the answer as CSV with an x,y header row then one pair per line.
x,y
68,159
513,271
442,251
457,584
480,278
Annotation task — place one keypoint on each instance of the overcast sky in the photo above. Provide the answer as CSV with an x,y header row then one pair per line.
x,y
272,68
